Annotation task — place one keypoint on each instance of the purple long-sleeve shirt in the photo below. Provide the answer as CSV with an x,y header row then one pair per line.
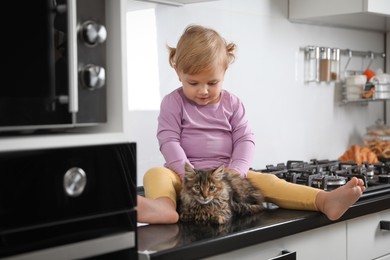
x,y
206,136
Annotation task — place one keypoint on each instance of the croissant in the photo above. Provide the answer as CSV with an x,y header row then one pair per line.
x,y
359,155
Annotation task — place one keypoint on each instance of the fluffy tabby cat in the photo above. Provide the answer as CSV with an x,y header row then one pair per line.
x,y
211,196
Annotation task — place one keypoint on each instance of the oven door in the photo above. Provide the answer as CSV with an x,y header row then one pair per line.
x,y
61,196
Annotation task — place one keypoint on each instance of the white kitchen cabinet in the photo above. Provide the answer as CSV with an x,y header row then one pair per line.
x,y
359,14
321,243
365,239
327,242
356,239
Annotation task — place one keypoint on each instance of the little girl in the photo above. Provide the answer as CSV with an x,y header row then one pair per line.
x,y
206,126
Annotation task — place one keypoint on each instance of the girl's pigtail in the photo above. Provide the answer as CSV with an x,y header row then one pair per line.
x,y
231,48
172,52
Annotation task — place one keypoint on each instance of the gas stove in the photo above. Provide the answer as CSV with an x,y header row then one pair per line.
x,y
328,175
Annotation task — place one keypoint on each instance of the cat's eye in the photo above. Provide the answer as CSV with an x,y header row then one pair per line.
x,y
211,188
197,187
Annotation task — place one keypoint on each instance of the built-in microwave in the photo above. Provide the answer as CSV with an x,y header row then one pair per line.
x,y
54,65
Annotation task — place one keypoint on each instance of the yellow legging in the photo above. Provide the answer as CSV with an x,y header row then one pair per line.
x,y
163,182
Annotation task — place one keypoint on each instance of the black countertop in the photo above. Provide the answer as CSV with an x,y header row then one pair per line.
x,y
189,241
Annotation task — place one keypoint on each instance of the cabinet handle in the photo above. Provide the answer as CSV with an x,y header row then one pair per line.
x,y
286,255
384,225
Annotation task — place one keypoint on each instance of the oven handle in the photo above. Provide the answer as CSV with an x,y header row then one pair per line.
x,y
72,48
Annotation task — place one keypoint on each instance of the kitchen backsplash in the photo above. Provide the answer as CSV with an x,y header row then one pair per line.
x,y
290,117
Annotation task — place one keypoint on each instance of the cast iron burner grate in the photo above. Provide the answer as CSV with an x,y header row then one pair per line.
x,y
329,175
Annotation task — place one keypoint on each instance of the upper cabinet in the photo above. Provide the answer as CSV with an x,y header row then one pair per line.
x,y
358,14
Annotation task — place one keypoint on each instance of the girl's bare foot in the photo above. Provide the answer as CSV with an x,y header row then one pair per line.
x,y
335,203
156,211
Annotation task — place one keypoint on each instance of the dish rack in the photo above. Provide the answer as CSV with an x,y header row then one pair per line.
x,y
365,92
356,87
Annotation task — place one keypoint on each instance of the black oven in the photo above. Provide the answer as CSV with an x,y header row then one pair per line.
x,y
73,203
54,64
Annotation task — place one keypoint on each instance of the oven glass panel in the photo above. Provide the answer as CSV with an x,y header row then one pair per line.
x,y
37,211
32,188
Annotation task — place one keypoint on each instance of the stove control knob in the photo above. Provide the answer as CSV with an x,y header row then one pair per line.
x,y
92,76
93,33
75,181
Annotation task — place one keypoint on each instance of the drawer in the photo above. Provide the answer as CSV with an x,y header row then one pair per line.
x,y
320,244
365,238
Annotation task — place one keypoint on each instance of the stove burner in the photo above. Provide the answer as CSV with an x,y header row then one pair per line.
x,y
328,182
329,175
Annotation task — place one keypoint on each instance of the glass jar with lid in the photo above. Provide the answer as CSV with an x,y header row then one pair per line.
x,y
312,58
335,65
325,56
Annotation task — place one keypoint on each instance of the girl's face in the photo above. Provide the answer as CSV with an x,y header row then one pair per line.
x,y
205,87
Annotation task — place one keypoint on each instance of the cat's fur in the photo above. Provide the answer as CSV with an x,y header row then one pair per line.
x,y
213,196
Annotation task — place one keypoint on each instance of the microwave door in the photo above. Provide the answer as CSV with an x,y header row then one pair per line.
x,y
55,65
35,62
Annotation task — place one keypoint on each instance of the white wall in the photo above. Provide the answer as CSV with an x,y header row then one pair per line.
x,y
291,120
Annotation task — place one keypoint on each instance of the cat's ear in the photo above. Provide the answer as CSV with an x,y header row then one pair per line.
x,y
188,167
189,171
218,173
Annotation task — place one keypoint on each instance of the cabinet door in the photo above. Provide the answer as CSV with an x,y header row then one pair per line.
x,y
325,243
358,14
320,244
264,251
365,239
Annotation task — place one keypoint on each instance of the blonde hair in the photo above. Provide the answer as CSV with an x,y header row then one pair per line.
x,y
200,48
